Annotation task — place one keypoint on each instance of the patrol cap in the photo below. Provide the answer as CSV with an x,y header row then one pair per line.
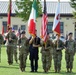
x,y
70,33
23,32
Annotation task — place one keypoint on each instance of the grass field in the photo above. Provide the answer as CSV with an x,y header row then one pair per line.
x,y
6,69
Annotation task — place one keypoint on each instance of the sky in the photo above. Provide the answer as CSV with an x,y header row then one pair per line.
x,y
42,0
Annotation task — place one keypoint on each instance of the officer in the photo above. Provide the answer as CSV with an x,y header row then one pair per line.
x,y
69,52
46,53
34,44
57,53
10,45
23,51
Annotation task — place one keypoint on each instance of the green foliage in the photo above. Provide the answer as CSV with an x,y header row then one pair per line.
x,y
73,5
24,8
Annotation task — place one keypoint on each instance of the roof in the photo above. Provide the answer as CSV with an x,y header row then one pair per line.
x,y
4,7
65,7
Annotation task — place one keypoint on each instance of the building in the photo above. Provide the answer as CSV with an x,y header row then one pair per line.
x,y
68,23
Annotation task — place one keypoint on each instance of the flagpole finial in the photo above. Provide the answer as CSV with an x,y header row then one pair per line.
x,y
58,0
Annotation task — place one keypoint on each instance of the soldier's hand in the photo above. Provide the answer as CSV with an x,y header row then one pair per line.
x,y
34,45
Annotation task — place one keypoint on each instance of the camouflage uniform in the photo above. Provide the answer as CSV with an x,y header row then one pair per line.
x,y
10,46
69,54
15,50
46,55
23,52
1,41
57,55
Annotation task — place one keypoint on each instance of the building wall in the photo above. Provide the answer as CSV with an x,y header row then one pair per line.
x,y
69,24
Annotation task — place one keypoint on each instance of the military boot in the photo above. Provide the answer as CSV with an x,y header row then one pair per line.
x,y
70,70
58,70
67,70
55,69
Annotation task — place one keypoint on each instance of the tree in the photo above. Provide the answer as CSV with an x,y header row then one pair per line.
x,y
24,8
73,5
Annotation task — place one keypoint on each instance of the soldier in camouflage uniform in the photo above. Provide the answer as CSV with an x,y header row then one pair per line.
x,y
1,41
57,53
10,45
15,49
23,51
46,54
69,52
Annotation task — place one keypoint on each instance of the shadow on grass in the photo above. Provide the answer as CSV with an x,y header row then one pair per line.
x,y
65,73
10,67
61,73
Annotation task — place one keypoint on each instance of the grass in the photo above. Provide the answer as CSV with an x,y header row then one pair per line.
x,y
6,69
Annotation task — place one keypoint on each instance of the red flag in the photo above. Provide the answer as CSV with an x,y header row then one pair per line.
x,y
32,19
56,24
9,15
3,30
43,32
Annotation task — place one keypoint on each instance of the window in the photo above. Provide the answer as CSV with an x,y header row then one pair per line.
x,y
61,27
15,27
23,27
4,23
49,27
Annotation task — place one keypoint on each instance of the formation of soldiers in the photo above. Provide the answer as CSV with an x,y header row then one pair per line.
x,y
48,50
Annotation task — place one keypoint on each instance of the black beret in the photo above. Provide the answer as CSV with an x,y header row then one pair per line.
x,y
23,32
70,33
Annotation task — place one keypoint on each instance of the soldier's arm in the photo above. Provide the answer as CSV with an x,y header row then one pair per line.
x,y
31,40
7,36
62,46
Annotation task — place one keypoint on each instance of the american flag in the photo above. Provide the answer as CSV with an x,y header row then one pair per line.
x,y
43,32
18,34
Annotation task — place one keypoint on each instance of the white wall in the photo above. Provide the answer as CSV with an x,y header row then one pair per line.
x,y
68,24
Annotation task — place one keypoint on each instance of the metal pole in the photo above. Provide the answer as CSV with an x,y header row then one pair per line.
x,y
0,53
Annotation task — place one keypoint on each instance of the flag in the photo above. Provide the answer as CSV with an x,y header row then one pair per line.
x,y
43,32
56,24
2,29
32,19
9,15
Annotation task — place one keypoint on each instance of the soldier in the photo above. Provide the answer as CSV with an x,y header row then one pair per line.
x,y
23,51
34,44
69,52
1,42
10,45
15,49
57,53
46,54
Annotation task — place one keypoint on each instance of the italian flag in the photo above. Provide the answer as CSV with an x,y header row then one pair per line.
x,y
56,24
32,19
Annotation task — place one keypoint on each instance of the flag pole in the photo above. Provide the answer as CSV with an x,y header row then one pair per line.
x,y
9,15
59,20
